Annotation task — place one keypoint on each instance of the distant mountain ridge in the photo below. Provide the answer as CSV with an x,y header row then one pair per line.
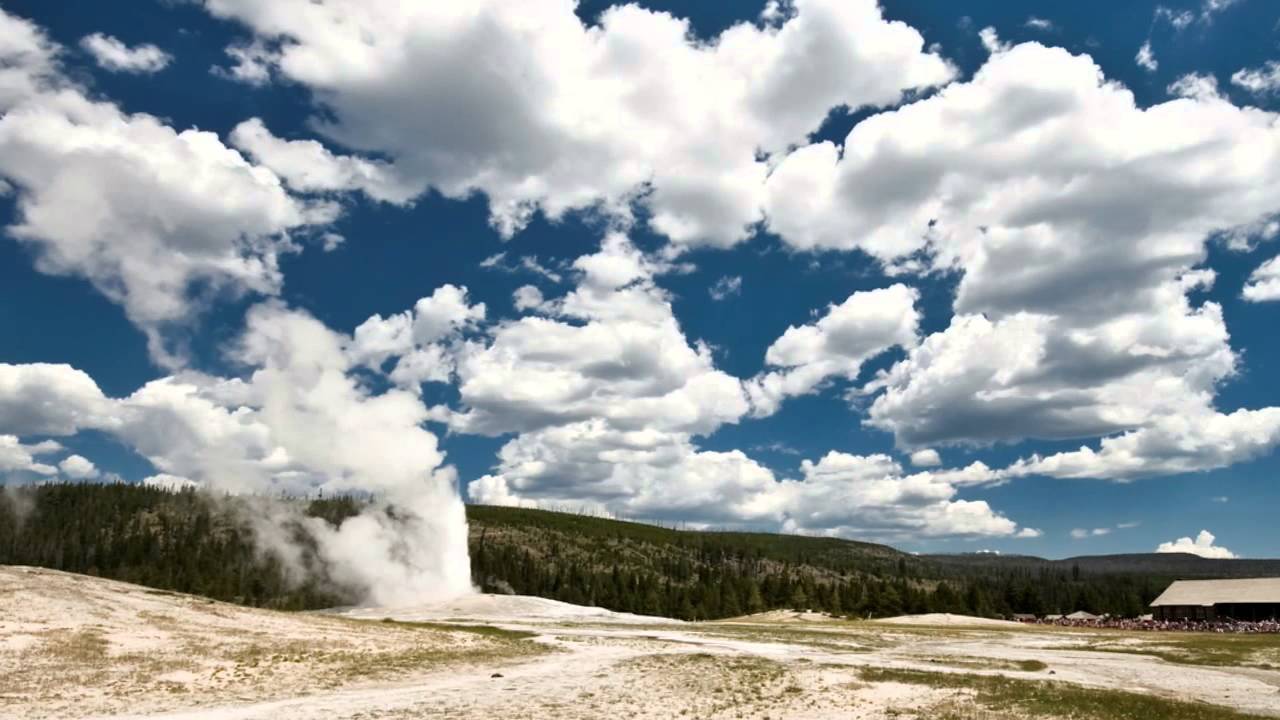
x,y
1182,565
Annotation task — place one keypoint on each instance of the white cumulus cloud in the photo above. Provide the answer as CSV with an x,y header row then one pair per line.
x,y
142,211
927,457
1146,58
420,339
112,54
866,324
17,458
308,166
79,467
1170,445
1262,80
1264,282
1202,545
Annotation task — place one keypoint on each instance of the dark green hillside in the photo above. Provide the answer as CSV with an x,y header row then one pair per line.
x,y
190,542
176,541
643,545
652,570
575,558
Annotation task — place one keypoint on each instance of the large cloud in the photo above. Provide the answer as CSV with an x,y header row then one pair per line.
x,y
1036,174
563,115
146,213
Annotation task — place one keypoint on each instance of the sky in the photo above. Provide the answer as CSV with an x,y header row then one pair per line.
x,y
954,276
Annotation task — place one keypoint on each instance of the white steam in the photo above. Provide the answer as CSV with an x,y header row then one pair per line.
x,y
300,422
410,543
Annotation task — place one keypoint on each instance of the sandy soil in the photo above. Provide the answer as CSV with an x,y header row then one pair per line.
x,y
947,619
75,646
82,647
507,607
782,616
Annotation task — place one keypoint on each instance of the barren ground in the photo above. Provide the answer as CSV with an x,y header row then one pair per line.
x,y
74,646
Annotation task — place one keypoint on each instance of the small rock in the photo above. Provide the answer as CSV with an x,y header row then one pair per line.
x,y
496,675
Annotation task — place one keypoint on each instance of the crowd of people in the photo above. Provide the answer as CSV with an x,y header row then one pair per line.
x,y
1148,623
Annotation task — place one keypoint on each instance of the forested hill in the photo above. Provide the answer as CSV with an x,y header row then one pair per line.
x,y
193,543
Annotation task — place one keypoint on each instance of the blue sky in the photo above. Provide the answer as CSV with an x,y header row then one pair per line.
x,y
1056,237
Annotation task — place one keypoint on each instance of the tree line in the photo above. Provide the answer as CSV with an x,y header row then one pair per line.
x,y
188,541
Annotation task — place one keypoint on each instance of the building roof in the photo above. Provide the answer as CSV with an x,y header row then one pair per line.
x,y
1216,592
1082,615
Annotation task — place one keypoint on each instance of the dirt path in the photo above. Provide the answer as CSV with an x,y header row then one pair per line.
x,y
593,663
1246,689
606,673
472,692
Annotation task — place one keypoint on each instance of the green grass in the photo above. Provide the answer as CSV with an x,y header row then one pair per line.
x,y
1009,697
1211,649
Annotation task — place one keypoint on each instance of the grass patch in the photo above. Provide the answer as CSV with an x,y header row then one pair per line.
x,y
975,663
706,685
488,631
86,647
833,640
1040,699
61,658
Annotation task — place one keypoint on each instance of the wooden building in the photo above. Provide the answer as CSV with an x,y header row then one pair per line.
x,y
1248,599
